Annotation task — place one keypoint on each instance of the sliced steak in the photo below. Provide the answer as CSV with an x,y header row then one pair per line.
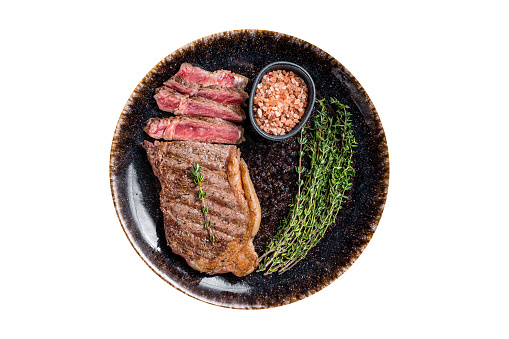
x,y
170,100
234,210
212,130
223,95
221,77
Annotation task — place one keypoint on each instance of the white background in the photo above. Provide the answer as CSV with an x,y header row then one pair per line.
x,y
437,72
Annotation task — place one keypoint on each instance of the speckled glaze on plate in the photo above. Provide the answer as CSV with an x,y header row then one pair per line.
x,y
135,189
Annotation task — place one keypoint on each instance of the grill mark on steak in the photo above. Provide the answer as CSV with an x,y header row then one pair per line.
x,y
194,152
222,209
172,101
217,194
190,245
233,210
191,216
223,216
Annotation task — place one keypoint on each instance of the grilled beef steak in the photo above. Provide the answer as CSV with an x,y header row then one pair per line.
x,y
234,210
170,100
212,130
223,95
221,77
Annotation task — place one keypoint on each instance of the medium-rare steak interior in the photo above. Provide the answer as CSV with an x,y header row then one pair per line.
x,y
234,210
211,130
223,95
220,77
172,101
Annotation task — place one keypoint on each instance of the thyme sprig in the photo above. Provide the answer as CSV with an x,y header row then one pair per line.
x,y
321,188
198,179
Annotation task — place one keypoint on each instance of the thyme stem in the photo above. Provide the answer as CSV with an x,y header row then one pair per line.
x,y
321,189
198,179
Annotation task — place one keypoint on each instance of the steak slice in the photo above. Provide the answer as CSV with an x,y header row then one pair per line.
x,y
234,210
170,100
221,77
223,95
212,130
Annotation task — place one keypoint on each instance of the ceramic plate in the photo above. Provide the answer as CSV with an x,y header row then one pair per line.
x,y
135,189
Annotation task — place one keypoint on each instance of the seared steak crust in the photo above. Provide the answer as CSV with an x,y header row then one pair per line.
x,y
234,210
